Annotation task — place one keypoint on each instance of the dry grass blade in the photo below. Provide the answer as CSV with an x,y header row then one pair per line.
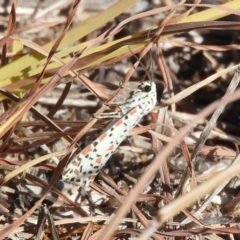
x,y
41,223
11,26
44,215
26,104
212,123
54,47
44,118
88,231
28,165
199,85
189,198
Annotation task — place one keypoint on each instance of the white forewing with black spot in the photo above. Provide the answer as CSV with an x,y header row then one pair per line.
x,y
84,167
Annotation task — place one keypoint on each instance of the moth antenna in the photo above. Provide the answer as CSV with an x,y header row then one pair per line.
x,y
141,63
